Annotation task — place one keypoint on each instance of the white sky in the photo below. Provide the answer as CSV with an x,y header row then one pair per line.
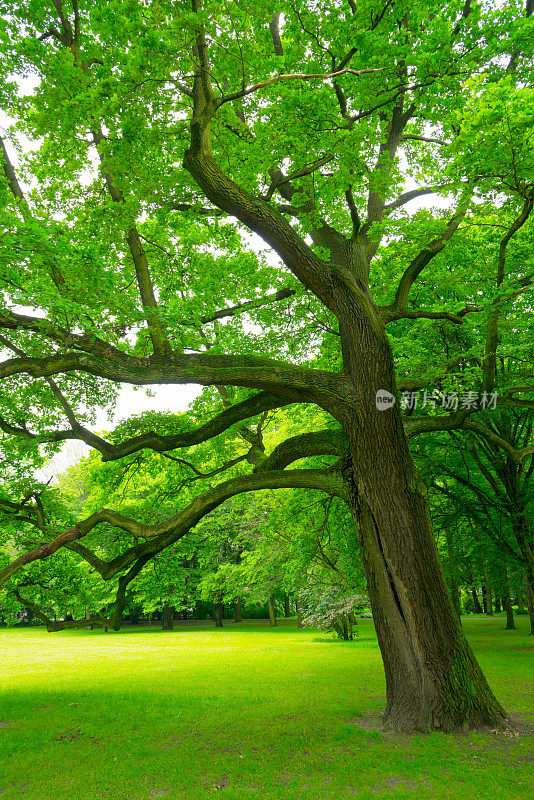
x,y
130,401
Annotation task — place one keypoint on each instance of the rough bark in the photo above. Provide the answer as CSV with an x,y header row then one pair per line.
x,y
433,679
453,573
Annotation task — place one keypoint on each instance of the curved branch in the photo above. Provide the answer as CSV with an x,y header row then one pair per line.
x,y
415,426
121,599
426,255
413,194
486,433
293,382
332,442
392,313
227,195
79,530
508,398
160,443
52,626
162,534
294,76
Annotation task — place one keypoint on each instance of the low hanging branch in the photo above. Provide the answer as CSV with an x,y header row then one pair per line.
x,y
52,626
160,535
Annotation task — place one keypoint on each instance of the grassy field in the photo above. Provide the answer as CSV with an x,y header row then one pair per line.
x,y
246,711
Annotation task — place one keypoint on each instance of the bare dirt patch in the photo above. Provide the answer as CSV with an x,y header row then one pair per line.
x,y
70,735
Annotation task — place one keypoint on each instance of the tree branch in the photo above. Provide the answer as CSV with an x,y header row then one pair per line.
x,y
292,382
250,305
451,316
24,208
233,414
294,76
492,329
160,342
416,138
425,257
299,173
52,626
330,441
486,433
162,534
411,195
274,28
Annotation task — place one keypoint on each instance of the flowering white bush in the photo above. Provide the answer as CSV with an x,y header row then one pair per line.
x,y
330,609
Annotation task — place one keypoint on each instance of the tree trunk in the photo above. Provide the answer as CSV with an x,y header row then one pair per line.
x,y
287,610
453,575
497,605
506,600
272,612
218,613
487,594
88,616
432,677
238,610
298,610
520,604
168,614
476,602
530,603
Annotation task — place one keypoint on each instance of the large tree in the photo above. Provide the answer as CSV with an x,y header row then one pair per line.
x,y
164,134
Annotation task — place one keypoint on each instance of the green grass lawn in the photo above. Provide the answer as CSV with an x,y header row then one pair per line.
x,y
245,711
